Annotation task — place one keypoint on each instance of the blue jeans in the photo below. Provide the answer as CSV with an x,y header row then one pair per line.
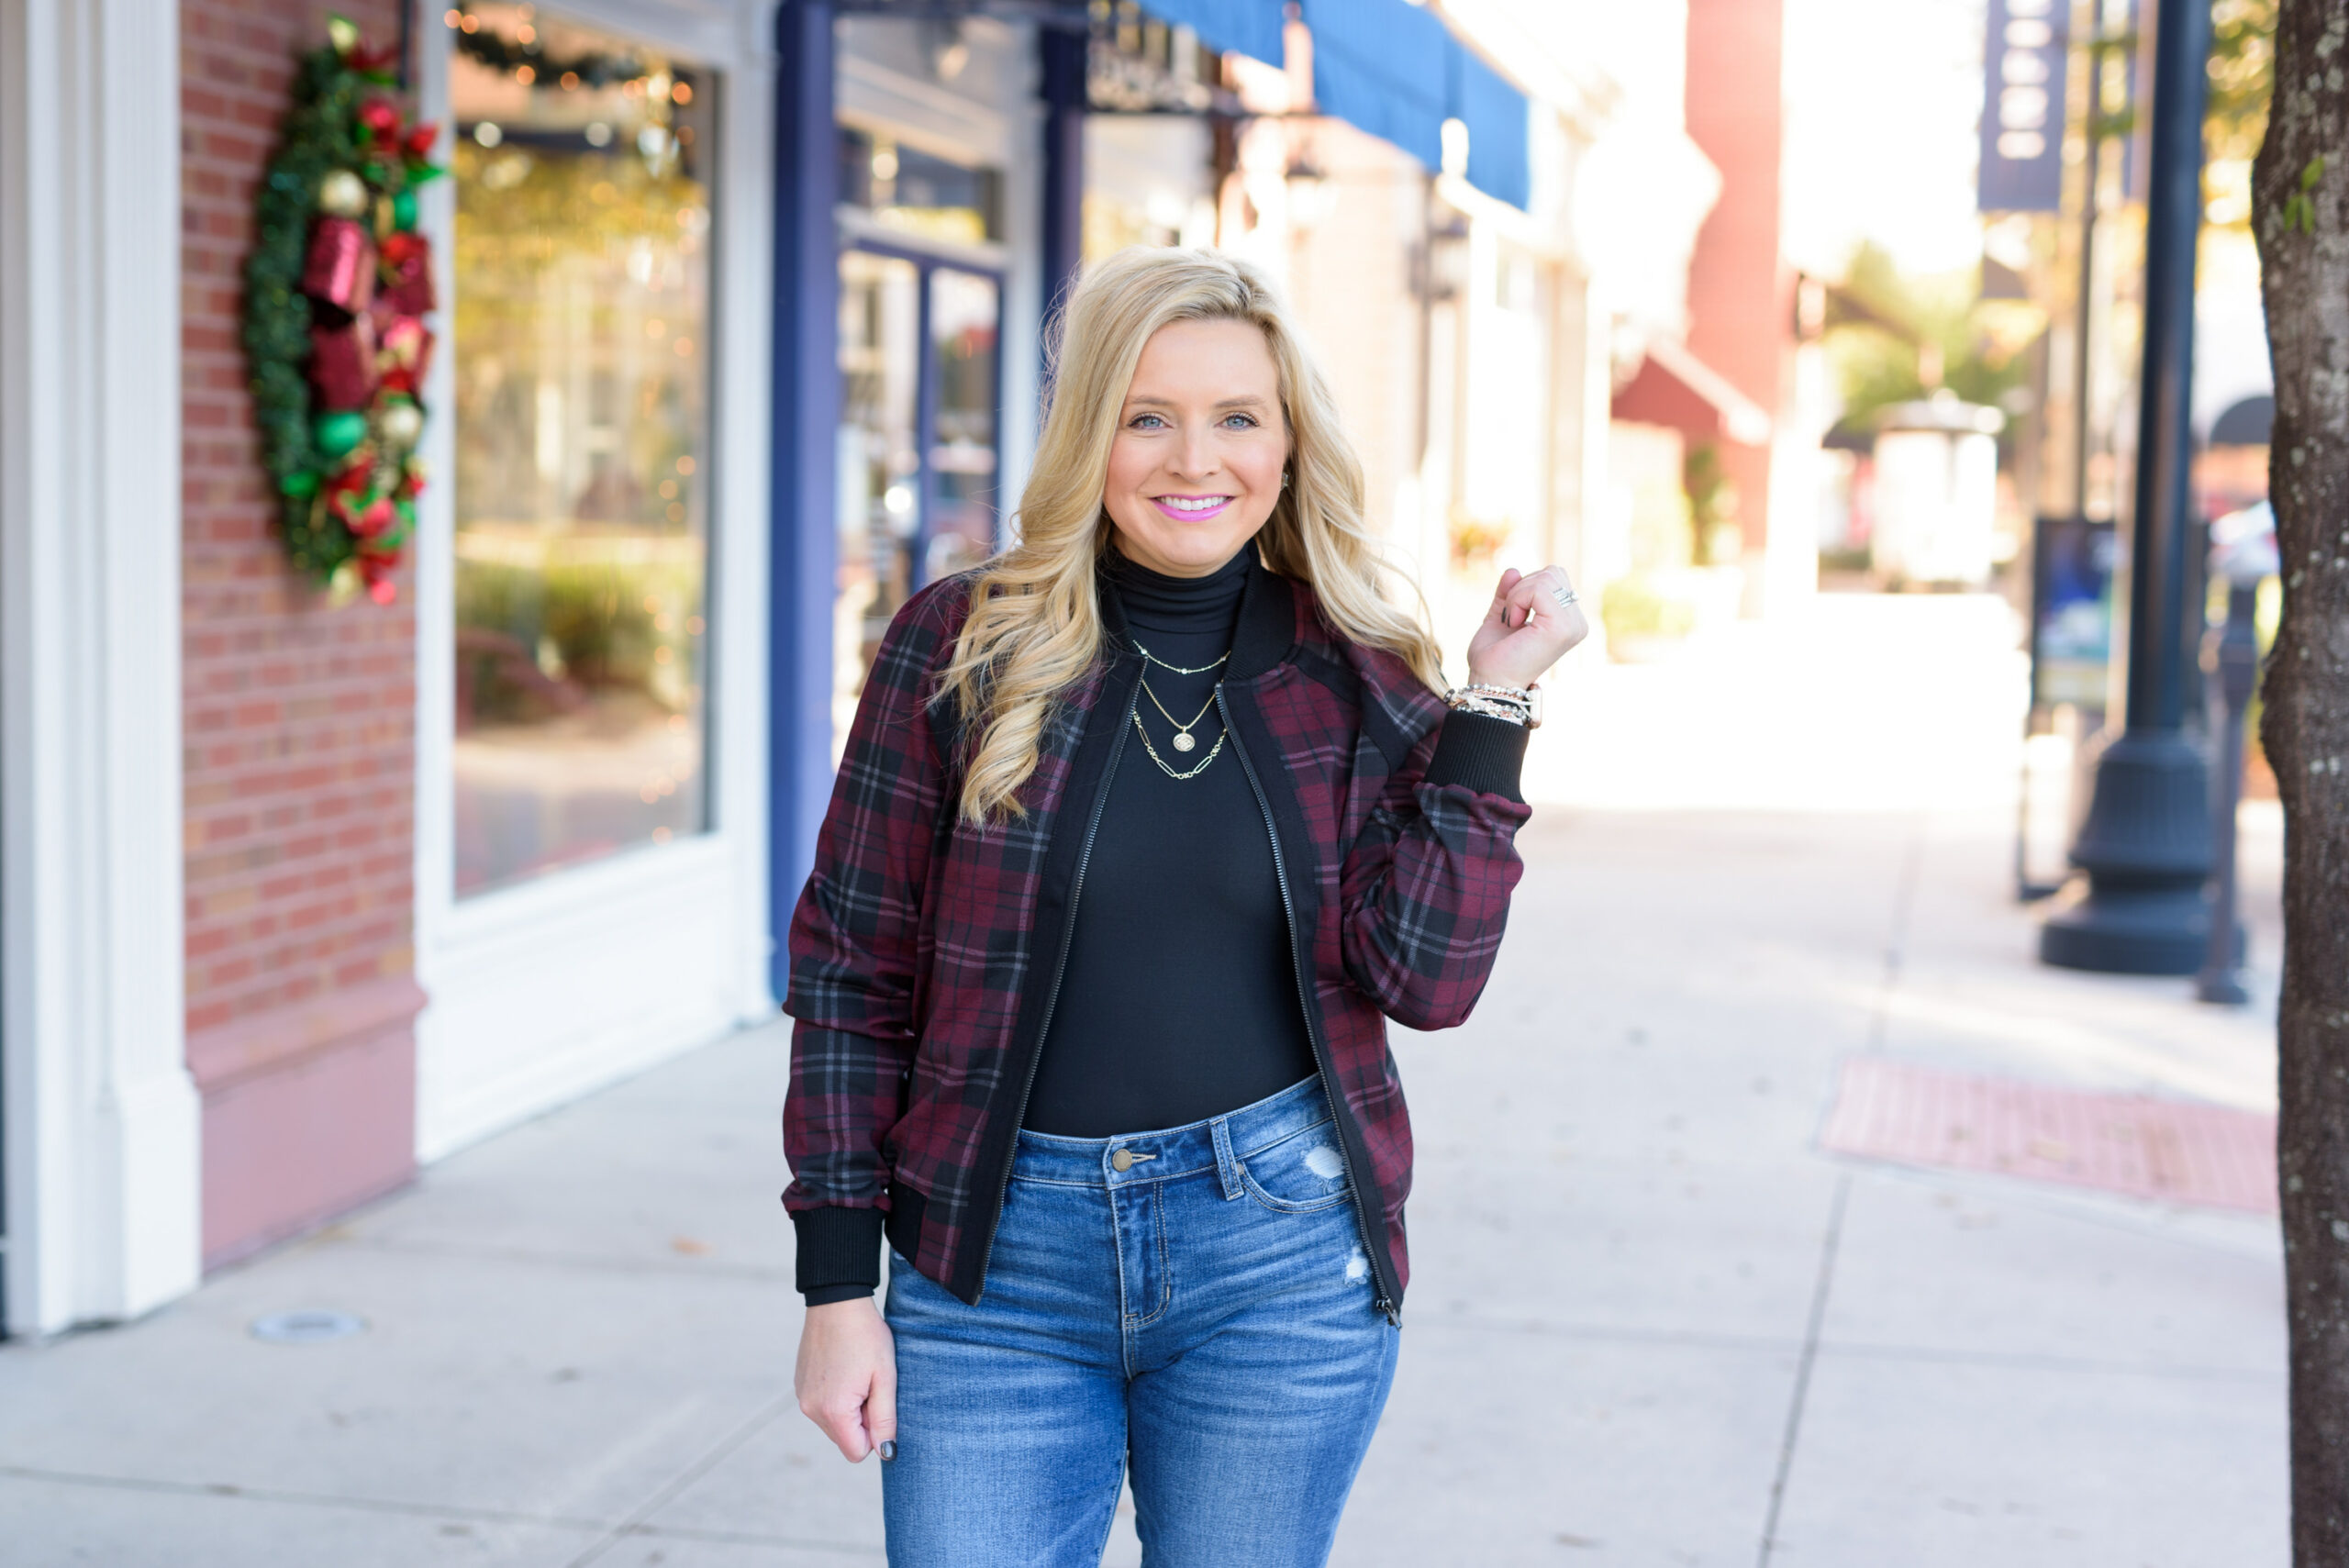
x,y
1208,1311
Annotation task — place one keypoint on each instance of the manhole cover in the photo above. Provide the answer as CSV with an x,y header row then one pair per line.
x,y
306,1328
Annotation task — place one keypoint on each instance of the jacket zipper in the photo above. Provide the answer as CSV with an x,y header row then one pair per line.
x,y
1373,1240
1060,971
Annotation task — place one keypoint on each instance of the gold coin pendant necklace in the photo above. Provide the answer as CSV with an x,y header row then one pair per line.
x,y
1184,739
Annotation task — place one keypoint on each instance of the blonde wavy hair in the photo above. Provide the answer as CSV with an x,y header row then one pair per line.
x,y
1034,627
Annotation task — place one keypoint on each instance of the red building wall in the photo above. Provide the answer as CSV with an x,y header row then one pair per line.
x,y
300,723
1741,293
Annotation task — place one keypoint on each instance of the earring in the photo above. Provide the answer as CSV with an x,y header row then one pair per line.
x,y
1283,479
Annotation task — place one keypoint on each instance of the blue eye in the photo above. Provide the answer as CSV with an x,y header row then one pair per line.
x,y
1247,421
1138,423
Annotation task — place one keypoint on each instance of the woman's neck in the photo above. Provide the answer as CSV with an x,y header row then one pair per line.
x,y
1155,602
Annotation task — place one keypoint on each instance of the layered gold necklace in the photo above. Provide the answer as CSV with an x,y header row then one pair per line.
x,y
1184,739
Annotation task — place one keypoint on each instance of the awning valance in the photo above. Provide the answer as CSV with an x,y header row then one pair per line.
x,y
1252,27
1393,70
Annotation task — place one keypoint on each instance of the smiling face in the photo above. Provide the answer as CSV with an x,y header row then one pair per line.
x,y
1201,443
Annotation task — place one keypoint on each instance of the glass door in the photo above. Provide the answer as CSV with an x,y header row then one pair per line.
x,y
918,446
583,328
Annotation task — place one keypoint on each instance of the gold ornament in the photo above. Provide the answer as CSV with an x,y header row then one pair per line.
x,y
342,194
400,424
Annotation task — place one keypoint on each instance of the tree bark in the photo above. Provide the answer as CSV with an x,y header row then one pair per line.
x,y
2302,219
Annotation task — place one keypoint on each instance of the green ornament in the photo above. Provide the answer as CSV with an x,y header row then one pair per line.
x,y
338,434
301,482
404,210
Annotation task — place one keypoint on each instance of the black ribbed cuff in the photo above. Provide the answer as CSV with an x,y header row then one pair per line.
x,y
839,1253
829,1293
1480,752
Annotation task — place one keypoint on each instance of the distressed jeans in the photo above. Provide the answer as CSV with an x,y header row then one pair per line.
x,y
1194,1302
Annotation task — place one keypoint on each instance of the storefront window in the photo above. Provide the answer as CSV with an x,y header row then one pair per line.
x,y
583,336
879,466
904,187
917,460
958,531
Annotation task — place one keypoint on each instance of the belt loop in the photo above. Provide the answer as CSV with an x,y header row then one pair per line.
x,y
1227,1165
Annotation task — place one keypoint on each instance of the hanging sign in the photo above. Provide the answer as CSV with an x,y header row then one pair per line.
x,y
2023,67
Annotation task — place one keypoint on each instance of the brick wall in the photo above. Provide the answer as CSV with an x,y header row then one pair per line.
x,y
299,725
1741,295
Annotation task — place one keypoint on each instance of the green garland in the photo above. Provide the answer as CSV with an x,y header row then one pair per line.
x,y
341,118
596,69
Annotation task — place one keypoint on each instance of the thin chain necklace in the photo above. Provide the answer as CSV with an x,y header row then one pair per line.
x,y
1182,737
1183,741
1201,766
1179,669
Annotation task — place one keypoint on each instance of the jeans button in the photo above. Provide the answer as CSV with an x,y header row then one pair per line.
x,y
1122,1161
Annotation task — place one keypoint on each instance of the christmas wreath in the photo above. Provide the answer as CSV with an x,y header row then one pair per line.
x,y
337,288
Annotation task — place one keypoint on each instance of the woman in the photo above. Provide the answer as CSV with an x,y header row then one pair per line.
x,y
1143,827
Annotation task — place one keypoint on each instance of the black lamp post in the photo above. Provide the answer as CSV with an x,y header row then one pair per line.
x,y
2145,847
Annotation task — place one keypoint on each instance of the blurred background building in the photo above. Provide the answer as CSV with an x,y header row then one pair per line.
x,y
743,332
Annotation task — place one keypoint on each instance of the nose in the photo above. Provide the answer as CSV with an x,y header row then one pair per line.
x,y
1195,456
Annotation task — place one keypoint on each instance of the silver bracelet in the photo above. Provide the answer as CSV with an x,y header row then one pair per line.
x,y
1517,705
1491,709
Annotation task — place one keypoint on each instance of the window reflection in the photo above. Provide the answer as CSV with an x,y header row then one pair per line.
x,y
917,460
960,529
583,336
879,464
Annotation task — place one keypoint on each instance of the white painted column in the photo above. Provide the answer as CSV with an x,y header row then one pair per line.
x,y
103,1122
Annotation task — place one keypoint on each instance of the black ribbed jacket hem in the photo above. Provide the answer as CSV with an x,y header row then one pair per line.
x,y
1480,752
839,1253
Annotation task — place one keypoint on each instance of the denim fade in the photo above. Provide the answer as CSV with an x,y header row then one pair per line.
x,y
1208,1311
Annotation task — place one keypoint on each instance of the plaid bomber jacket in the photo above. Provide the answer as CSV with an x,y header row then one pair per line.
x,y
926,955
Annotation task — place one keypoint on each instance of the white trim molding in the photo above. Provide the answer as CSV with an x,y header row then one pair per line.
x,y
103,1122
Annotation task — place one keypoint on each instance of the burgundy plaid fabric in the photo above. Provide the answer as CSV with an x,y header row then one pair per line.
x,y
917,943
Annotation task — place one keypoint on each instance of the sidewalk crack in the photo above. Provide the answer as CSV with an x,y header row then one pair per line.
x,y
1904,908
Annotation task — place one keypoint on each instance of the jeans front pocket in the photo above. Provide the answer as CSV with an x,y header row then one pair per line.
x,y
1302,1173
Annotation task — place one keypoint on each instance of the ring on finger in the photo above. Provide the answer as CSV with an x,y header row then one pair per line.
x,y
1565,597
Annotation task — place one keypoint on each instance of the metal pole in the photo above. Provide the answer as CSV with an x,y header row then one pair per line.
x,y
2145,847
2083,362
2231,655
1063,54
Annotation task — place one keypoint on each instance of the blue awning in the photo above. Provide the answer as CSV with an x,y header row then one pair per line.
x,y
1392,69
1495,113
1252,27
1385,67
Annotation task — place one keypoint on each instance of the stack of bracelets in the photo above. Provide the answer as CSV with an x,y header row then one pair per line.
x,y
1516,704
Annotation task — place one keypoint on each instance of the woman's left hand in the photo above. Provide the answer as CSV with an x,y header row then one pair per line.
x,y
1527,630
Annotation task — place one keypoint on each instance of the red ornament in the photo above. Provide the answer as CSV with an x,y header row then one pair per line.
x,y
341,267
342,365
418,142
404,344
380,118
409,292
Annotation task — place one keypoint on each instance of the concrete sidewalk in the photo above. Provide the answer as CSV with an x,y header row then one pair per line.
x,y
1650,1321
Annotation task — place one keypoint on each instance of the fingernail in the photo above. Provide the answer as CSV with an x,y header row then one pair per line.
x,y
889,1450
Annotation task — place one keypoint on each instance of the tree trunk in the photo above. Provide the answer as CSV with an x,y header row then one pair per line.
x,y
2301,187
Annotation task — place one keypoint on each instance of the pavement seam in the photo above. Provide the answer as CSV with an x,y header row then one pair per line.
x,y
233,1491
1904,908
588,1261
1851,1349
634,1525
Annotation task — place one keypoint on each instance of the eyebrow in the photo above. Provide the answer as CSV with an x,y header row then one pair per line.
x,y
1149,402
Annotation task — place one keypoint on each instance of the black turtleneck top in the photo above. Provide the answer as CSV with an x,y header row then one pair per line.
x,y
1179,1001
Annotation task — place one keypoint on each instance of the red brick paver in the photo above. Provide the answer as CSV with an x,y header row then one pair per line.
x,y
2179,1151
